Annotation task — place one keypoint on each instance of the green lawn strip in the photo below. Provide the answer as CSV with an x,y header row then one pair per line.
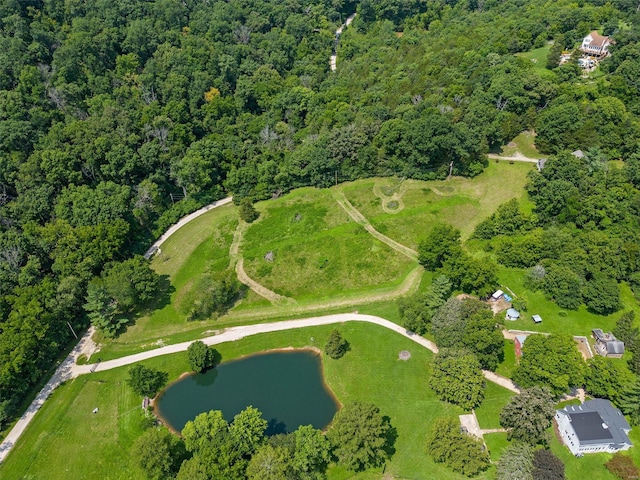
x,y
523,143
590,465
462,202
66,440
496,443
508,364
488,413
574,322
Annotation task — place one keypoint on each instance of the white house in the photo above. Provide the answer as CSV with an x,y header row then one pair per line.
x,y
596,45
595,426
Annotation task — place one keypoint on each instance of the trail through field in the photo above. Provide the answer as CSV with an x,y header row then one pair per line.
x,y
236,258
516,157
361,220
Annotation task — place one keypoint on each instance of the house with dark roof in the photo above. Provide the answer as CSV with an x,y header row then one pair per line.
x,y
595,426
596,45
607,345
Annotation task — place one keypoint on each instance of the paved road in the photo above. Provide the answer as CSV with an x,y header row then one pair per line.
x,y
182,222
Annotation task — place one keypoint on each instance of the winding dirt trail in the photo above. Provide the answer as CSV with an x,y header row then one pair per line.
x,y
361,220
333,60
238,261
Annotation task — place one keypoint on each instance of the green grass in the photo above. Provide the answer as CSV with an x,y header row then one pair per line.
x,y
538,58
496,443
495,397
66,441
462,202
575,322
318,250
508,364
524,143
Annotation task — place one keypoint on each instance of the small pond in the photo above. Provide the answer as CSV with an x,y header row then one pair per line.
x,y
286,386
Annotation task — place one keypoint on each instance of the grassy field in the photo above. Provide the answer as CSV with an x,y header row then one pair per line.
x,y
495,397
318,251
573,322
66,441
462,202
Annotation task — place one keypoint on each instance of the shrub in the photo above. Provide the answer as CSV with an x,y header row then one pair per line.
x,y
336,346
623,467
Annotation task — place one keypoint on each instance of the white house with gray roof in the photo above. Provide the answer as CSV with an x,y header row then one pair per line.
x,y
595,426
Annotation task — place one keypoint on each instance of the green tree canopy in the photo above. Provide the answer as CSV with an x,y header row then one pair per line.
x,y
201,357
440,244
360,436
457,378
146,381
528,415
336,345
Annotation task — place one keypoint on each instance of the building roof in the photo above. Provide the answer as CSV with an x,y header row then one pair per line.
x,y
497,294
521,338
615,347
536,318
578,154
597,422
598,40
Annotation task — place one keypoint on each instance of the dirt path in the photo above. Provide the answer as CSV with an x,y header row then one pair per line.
x,y
517,157
361,220
64,372
237,261
182,222
333,60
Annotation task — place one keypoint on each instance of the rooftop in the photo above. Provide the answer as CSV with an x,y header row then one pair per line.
x,y
598,421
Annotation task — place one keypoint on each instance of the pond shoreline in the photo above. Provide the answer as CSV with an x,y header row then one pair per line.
x,y
312,349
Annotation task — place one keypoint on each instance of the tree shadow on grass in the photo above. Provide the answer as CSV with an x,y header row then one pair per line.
x,y
390,438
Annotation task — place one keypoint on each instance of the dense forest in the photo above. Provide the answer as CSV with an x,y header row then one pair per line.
x,y
118,117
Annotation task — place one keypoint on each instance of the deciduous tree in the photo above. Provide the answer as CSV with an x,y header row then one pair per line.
x,y
457,378
146,381
528,415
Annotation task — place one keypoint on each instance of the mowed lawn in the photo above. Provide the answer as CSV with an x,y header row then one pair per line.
x,y
67,441
462,202
554,318
317,250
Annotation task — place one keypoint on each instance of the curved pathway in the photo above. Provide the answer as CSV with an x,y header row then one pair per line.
x,y
182,222
361,220
237,261
333,61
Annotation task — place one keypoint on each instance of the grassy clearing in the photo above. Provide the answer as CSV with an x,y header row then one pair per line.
x,y
495,397
523,143
462,202
318,250
538,58
572,322
66,441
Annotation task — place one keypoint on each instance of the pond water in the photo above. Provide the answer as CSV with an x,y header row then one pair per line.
x,y
286,386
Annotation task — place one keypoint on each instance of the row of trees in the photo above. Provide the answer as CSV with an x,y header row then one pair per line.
x,y
210,447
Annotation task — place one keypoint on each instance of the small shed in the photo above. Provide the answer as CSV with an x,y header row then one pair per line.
x,y
540,163
512,314
536,318
518,342
497,295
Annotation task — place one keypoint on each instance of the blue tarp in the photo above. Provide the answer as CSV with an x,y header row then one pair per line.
x,y
507,297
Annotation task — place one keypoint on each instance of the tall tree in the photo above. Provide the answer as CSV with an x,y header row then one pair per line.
x,y
440,244
360,436
528,415
457,378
